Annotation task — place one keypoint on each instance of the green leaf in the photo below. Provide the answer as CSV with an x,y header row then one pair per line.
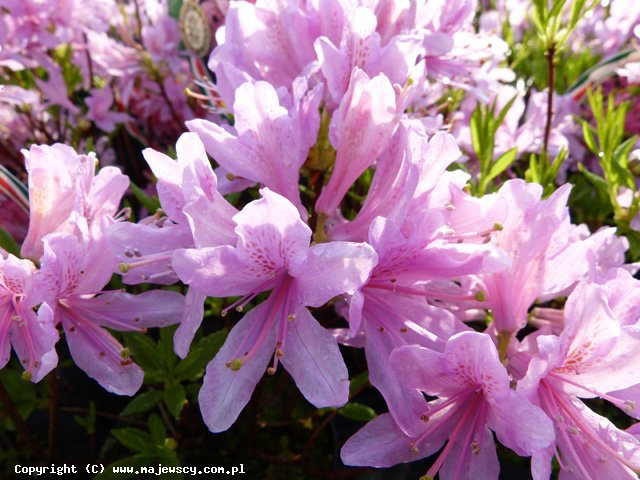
x,y
151,204
8,243
596,180
551,174
174,8
134,439
588,137
158,432
144,351
200,355
357,411
502,163
142,403
174,398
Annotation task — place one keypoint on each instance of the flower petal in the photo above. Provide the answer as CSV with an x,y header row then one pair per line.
x,y
124,311
218,271
520,425
331,269
225,392
380,443
191,319
312,357
100,355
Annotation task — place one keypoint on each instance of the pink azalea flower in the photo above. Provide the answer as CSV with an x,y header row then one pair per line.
x,y
269,142
62,182
32,339
197,215
594,356
393,308
361,129
273,254
271,41
526,235
72,276
100,103
474,398
360,46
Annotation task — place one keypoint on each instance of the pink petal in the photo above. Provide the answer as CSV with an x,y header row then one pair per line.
x,y
124,311
380,443
360,130
519,424
191,319
169,175
100,355
331,269
217,272
405,404
34,340
271,232
312,357
225,392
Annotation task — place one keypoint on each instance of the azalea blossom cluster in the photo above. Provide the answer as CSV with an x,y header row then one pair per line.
x,y
76,70
478,315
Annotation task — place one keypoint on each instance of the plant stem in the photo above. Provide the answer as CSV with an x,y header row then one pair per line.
x,y
550,89
53,414
111,416
19,423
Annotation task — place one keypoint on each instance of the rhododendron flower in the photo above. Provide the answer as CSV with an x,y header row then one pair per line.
x,y
32,339
72,277
273,254
62,182
593,356
270,142
197,215
474,398
360,131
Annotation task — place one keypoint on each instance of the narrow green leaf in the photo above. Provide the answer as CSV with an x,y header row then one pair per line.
x,y
142,402
8,243
200,355
134,439
357,411
151,204
596,180
588,137
158,432
502,163
175,398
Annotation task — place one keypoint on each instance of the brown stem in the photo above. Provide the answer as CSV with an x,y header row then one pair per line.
x,y
172,110
111,416
547,130
89,62
167,421
138,21
53,414
20,424
316,433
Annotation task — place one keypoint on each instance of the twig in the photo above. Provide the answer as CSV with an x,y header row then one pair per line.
x,y
53,413
88,55
19,423
316,433
547,130
167,421
138,21
174,114
111,416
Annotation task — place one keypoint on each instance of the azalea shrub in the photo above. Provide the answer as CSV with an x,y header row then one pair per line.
x,y
319,238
